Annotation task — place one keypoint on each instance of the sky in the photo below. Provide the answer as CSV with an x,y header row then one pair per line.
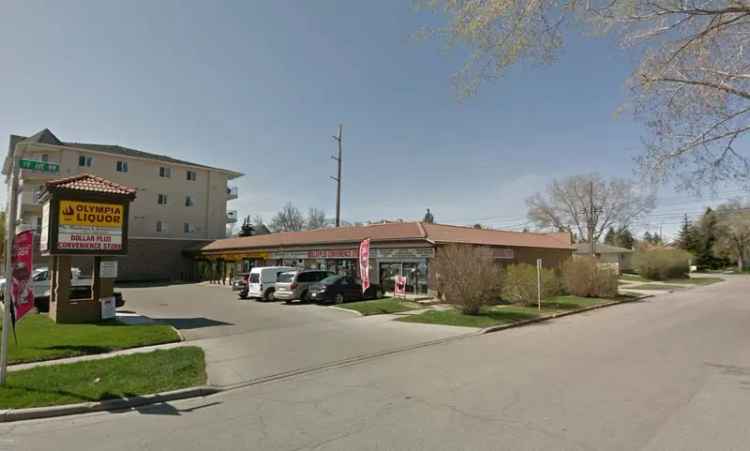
x,y
260,87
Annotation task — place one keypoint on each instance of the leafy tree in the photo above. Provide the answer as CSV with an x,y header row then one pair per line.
x,y
289,219
691,89
647,237
478,226
566,205
733,237
708,230
316,219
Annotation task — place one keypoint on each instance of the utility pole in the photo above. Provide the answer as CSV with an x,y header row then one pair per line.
x,y
338,176
590,212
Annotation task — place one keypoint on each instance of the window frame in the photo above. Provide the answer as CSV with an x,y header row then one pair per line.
x,y
162,199
165,172
121,166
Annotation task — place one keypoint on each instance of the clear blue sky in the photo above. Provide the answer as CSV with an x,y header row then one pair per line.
x,y
261,86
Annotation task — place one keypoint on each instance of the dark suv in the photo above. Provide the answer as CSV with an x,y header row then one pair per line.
x,y
295,284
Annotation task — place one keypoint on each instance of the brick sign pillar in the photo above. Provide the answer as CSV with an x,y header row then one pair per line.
x,y
83,215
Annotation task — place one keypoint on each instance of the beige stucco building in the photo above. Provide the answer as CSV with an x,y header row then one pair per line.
x,y
178,204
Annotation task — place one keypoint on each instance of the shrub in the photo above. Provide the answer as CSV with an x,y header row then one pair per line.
x,y
466,276
583,276
662,264
520,284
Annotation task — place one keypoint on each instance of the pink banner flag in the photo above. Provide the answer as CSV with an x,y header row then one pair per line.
x,y
364,264
400,288
21,262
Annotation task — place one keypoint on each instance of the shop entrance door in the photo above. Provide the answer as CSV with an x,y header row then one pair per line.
x,y
388,272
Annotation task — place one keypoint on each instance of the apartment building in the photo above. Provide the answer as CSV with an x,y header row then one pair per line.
x,y
178,204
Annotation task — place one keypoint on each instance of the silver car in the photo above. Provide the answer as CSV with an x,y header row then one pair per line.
x,y
295,284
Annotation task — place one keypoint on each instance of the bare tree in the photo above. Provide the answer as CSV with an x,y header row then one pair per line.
x,y
289,219
588,205
467,276
316,219
733,238
692,88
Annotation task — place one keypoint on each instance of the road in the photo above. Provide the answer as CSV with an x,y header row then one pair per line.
x,y
672,372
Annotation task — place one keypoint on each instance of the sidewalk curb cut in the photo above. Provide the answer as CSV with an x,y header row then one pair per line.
x,y
491,329
10,415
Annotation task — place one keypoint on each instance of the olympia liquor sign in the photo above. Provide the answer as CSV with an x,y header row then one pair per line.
x,y
84,226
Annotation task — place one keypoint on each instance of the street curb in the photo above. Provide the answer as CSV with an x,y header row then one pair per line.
x,y
346,310
10,415
490,329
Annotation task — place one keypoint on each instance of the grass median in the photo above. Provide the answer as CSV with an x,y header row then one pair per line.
x,y
96,380
40,338
381,306
503,314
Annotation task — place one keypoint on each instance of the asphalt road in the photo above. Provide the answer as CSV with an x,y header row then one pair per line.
x,y
672,372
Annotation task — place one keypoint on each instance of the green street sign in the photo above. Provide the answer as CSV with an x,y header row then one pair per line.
x,y
41,166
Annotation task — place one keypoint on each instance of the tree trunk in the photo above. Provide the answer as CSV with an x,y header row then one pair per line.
x,y
740,263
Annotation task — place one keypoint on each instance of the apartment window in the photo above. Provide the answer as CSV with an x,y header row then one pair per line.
x,y
122,166
162,199
85,162
188,228
161,226
165,172
188,201
191,175
45,157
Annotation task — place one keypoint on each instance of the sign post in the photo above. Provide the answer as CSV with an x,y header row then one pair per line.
x,y
10,235
539,283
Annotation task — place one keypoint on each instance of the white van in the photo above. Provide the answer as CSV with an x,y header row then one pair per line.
x,y
261,282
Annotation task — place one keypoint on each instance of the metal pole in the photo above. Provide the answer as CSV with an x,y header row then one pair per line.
x,y
10,235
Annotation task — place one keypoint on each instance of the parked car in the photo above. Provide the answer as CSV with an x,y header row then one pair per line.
x,y
261,282
339,289
295,284
40,282
240,281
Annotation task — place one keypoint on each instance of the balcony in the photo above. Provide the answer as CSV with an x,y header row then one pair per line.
x,y
232,192
231,216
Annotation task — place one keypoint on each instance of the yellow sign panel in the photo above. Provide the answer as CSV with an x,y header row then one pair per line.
x,y
91,214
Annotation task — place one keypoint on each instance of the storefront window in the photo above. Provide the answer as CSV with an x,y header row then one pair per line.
x,y
415,273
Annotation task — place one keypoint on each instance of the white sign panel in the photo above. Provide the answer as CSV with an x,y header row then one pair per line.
x,y
109,307
108,269
89,238
44,235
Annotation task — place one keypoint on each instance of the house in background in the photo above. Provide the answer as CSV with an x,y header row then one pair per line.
x,y
178,204
611,255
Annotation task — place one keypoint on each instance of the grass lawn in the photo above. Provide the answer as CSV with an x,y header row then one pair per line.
x,y
40,338
503,314
656,286
381,306
96,380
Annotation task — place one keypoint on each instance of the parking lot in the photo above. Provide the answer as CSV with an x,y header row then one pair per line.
x,y
202,311
246,340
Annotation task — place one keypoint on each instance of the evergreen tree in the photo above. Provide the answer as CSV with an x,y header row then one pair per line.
x,y
611,237
624,238
647,237
688,239
428,218
708,233
247,228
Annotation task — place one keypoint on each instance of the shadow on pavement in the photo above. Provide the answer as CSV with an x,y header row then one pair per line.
x,y
192,323
164,408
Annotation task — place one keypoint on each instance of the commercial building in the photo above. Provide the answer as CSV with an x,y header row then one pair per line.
x,y
178,204
396,249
